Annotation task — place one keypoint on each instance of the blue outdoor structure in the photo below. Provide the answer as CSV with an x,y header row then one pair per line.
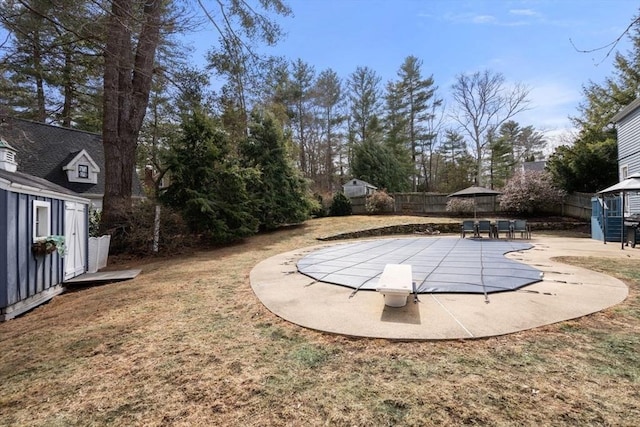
x,y
29,207
606,220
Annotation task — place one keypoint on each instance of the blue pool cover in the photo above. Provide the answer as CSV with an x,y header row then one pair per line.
x,y
439,265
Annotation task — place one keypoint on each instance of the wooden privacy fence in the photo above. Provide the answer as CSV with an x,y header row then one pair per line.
x,y
576,205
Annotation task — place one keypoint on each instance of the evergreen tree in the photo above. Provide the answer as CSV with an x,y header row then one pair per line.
x,y
329,98
365,103
595,148
586,166
51,62
207,184
396,129
500,161
375,163
279,194
417,103
458,166
301,83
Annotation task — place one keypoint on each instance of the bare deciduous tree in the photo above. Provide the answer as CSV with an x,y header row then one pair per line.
x,y
483,102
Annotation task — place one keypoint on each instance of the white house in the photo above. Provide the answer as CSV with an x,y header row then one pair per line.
x,y
357,187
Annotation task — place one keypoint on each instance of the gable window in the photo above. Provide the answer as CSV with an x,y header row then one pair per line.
x,y
41,219
83,171
82,168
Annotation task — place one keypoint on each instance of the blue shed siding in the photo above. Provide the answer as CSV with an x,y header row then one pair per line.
x,y
24,274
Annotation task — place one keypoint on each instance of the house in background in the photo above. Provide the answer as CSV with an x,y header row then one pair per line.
x,y
32,208
357,188
535,166
70,158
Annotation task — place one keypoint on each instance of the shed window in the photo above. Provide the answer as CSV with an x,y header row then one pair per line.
x,y
83,171
41,219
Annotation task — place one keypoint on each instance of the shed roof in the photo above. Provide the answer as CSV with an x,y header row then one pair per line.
x,y
359,183
18,181
536,166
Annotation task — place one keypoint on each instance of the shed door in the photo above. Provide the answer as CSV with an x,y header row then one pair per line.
x,y
75,237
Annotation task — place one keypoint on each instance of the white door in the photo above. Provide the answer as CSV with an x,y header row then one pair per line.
x,y
75,237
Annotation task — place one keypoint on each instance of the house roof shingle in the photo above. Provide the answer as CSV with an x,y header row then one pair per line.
x,y
43,150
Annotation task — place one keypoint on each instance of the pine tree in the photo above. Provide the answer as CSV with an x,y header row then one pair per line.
x,y
365,103
396,127
51,62
375,163
301,83
417,101
595,148
329,98
207,184
279,193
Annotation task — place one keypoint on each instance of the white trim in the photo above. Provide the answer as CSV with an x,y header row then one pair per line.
x,y
624,173
34,191
82,158
41,213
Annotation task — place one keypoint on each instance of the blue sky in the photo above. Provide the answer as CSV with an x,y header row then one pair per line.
x,y
528,41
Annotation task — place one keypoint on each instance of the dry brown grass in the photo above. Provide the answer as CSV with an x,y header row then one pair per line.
x,y
188,344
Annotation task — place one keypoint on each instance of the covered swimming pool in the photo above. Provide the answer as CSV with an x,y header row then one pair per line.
x,y
439,265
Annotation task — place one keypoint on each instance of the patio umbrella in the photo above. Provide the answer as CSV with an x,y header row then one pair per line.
x,y
474,192
630,184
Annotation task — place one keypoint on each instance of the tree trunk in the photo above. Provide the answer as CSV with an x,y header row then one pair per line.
x,y
127,83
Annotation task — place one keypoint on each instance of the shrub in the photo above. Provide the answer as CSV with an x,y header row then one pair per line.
x,y
379,202
340,206
134,235
318,208
460,206
94,222
530,191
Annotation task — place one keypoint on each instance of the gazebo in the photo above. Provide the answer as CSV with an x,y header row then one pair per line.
x,y
629,185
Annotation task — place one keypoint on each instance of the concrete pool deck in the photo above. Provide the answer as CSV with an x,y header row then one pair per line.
x,y
566,292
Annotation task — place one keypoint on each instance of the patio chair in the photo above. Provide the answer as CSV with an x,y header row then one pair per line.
x,y
521,226
468,226
504,226
484,226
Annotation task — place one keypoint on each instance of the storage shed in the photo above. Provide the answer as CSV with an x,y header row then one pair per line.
x,y
357,187
33,210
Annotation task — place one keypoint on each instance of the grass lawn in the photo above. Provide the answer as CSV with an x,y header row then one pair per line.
x,y
188,343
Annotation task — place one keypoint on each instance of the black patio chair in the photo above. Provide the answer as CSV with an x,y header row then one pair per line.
x,y
521,226
504,226
468,226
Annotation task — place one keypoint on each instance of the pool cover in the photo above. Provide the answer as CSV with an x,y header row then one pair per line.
x,y
439,265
